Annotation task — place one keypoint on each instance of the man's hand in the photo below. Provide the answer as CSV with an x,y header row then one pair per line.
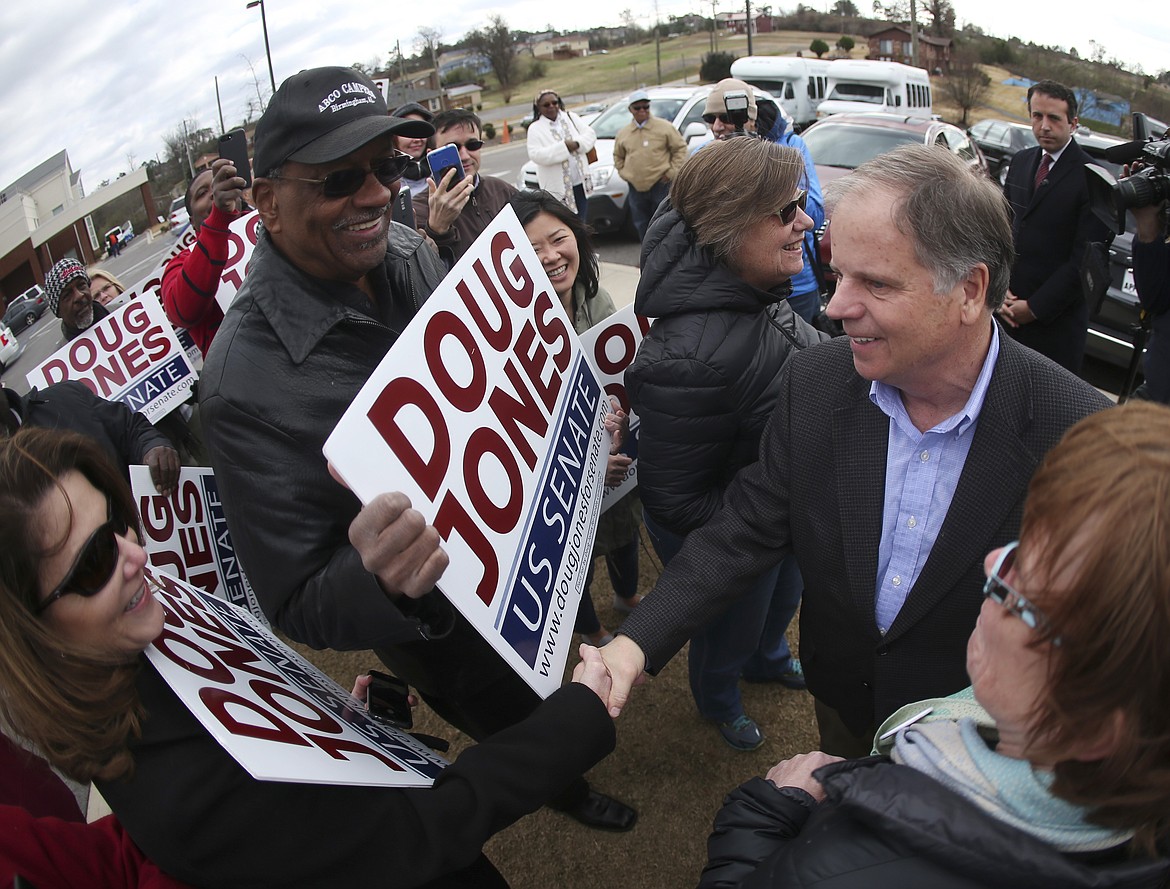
x,y
445,204
572,146
227,189
591,671
164,464
797,772
626,665
617,424
616,469
397,546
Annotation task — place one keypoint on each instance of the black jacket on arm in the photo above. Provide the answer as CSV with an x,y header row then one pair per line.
x,y
706,376
886,826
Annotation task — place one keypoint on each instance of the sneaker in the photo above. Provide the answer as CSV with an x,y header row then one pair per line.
x,y
626,606
742,734
792,678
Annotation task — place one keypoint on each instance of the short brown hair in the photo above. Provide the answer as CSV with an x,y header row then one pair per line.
x,y
1102,497
729,186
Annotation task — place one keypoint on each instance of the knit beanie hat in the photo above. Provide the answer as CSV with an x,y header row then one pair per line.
x,y
59,276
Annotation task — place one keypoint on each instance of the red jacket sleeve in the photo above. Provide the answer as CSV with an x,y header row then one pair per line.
x,y
191,279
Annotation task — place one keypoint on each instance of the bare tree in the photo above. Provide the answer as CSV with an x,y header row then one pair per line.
x,y
966,84
496,44
130,161
942,17
427,43
261,102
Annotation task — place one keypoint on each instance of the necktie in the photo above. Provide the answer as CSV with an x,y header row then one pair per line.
x,y
1045,164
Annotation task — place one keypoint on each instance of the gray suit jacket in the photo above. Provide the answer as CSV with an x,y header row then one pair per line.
x,y
818,489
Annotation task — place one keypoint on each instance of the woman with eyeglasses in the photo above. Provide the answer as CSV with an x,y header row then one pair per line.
x,y
104,287
716,263
76,615
1053,769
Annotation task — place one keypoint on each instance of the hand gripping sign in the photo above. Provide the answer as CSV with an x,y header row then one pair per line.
x,y
274,712
131,356
487,415
186,535
610,347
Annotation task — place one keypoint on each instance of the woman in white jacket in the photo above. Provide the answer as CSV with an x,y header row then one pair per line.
x,y
558,142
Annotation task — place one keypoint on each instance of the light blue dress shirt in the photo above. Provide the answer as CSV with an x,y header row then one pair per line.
x,y
922,473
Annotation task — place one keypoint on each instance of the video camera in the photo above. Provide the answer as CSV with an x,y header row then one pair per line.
x,y
1110,198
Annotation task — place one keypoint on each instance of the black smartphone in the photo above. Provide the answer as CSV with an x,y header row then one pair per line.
x,y
387,701
234,146
443,159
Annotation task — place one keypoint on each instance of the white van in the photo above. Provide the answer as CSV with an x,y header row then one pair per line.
x,y
864,85
797,83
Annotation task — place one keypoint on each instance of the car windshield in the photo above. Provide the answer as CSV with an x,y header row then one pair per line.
x,y
615,117
850,145
859,92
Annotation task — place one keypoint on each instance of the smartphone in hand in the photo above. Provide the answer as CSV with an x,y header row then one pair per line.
x,y
386,700
234,147
443,159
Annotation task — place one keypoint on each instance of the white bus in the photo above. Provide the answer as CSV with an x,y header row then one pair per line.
x,y
864,85
797,83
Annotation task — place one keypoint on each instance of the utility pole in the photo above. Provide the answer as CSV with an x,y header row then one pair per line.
x,y
219,105
913,34
657,42
187,149
714,27
634,66
401,61
748,13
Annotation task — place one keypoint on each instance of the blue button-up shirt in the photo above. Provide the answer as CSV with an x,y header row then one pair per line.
x,y
922,473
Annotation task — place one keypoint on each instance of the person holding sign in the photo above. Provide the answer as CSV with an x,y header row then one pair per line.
x,y
213,199
1053,768
562,244
333,282
715,274
76,615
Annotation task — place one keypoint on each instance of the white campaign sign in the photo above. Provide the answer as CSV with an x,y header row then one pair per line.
x,y
274,712
131,356
610,346
242,236
186,534
487,415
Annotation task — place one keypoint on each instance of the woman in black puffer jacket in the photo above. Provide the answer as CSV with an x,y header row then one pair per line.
x,y
715,267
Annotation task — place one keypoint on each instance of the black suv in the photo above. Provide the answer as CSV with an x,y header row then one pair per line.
x,y
1000,140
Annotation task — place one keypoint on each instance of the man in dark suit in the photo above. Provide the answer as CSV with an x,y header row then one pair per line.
x,y
895,459
1045,308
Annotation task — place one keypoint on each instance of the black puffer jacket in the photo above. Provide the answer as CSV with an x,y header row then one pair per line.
x,y
886,826
704,381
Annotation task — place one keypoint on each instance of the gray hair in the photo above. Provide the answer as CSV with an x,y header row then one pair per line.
x,y
727,187
955,217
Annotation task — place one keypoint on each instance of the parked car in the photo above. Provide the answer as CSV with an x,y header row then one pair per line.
x,y
1000,140
682,106
25,309
10,348
178,215
844,142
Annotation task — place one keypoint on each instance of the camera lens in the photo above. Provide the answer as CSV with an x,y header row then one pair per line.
x,y
1141,189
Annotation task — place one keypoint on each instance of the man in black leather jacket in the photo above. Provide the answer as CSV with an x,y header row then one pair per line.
x,y
332,284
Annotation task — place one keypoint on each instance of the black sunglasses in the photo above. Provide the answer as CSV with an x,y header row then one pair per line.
x,y
722,118
787,213
639,107
343,183
94,565
470,144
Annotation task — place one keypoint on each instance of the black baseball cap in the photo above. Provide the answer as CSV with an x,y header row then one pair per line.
x,y
323,114
413,108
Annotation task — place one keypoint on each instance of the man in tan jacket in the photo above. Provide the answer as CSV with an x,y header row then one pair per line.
x,y
648,154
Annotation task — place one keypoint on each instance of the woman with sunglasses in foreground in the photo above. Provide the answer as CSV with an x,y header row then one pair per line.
x,y
1056,771
715,267
75,617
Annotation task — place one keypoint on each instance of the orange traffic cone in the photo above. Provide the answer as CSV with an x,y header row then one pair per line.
x,y
505,136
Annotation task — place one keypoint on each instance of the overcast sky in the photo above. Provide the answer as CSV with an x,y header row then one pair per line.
x,y
108,82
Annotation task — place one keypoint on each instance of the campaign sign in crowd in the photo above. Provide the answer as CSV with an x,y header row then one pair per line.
x,y
186,534
131,356
273,711
487,415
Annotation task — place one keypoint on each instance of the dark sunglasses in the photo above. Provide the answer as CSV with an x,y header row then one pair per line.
x,y
470,144
94,565
722,118
1002,593
639,107
787,213
343,183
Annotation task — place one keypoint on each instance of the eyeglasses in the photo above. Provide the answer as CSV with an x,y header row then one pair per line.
x,y
343,183
639,107
787,213
722,118
1002,593
94,565
470,144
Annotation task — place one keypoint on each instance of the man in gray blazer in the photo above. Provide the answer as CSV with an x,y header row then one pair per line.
x,y
897,456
